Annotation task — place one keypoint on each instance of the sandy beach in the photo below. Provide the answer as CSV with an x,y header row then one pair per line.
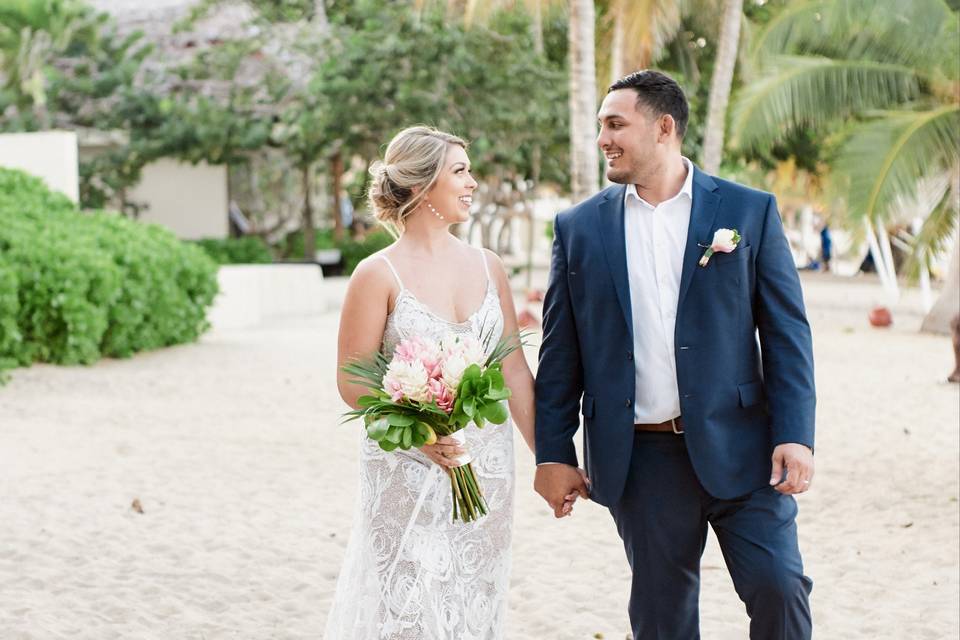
x,y
233,450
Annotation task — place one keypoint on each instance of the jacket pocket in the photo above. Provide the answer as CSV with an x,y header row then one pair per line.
x,y
587,406
751,393
737,256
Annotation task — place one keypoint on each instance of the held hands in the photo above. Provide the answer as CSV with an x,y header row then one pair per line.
x,y
797,461
560,485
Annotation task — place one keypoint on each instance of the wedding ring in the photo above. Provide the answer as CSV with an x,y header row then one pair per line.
x,y
806,482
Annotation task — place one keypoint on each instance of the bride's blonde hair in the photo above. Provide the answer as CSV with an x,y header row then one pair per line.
x,y
409,169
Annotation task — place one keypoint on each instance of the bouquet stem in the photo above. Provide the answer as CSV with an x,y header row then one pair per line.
x,y
468,502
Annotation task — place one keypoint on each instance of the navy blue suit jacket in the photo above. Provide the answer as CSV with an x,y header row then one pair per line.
x,y
739,396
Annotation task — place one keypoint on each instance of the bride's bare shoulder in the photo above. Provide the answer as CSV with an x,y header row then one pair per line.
x,y
372,271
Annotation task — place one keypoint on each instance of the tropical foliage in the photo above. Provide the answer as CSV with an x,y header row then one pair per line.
x,y
879,80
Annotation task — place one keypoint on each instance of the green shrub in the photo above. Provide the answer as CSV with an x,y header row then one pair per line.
x,y
75,287
246,250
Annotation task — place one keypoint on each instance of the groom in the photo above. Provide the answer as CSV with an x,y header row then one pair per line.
x,y
688,419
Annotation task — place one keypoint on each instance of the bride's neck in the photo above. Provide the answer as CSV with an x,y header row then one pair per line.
x,y
427,239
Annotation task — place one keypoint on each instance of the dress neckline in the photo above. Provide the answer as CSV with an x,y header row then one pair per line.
x,y
424,307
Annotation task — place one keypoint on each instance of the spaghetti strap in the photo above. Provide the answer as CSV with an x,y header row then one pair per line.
x,y
486,267
395,274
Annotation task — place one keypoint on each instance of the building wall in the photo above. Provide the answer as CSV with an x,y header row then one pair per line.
x,y
50,155
191,200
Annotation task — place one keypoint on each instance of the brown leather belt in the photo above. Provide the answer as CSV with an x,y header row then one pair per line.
x,y
674,425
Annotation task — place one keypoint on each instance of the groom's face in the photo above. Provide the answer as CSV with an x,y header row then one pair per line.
x,y
630,138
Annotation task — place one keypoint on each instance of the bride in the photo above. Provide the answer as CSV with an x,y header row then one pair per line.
x,y
410,572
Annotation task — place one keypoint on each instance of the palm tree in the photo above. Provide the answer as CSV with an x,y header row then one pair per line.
x,y
883,77
641,31
720,84
584,156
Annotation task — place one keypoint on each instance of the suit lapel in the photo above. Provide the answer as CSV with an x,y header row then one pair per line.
x,y
611,231
703,212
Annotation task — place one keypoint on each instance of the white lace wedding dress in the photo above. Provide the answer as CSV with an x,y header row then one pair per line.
x,y
410,573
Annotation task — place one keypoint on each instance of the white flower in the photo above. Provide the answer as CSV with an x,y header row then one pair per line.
x,y
406,380
473,351
452,370
725,240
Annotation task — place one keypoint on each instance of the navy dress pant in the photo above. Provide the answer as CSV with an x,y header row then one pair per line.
x,y
662,519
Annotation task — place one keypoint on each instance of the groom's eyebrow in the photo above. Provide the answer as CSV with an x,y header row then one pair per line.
x,y
608,116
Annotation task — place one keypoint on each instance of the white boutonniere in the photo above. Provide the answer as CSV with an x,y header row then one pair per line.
x,y
724,241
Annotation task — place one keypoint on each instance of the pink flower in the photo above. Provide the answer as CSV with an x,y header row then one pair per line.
x,y
442,395
416,349
406,380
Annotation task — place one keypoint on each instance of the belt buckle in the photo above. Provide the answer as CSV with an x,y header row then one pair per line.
x,y
673,424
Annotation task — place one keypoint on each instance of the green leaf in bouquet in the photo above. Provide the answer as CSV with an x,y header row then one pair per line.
x,y
495,377
400,420
387,445
494,412
426,434
407,438
369,372
469,407
367,401
377,429
497,395
506,346
394,434
472,373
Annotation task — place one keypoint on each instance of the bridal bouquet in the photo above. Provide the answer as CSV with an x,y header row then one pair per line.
x,y
431,389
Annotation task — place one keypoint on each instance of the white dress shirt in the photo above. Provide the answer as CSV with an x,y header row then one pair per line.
x,y
656,237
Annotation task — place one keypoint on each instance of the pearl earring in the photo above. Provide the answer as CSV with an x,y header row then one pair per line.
x,y
435,212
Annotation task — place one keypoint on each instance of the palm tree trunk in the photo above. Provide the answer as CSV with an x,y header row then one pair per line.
x,y
309,231
537,26
617,45
336,174
720,85
320,15
584,157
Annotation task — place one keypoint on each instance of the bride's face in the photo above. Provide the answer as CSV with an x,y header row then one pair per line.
x,y
452,194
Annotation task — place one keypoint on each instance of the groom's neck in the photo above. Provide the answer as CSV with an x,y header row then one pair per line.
x,y
664,182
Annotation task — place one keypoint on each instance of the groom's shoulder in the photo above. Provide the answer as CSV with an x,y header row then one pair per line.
x,y
741,192
589,205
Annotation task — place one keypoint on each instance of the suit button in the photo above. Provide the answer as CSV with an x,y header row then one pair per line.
x,y
629,355
687,395
628,402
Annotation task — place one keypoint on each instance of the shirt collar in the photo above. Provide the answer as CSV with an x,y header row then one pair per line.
x,y
686,189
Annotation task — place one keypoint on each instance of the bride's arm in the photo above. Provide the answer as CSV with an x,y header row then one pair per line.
x,y
362,321
516,372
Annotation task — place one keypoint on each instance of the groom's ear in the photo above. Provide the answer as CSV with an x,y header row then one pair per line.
x,y
666,128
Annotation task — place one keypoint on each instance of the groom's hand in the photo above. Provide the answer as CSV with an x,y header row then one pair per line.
x,y
797,460
555,482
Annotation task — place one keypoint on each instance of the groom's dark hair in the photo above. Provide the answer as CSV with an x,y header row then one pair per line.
x,y
658,93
